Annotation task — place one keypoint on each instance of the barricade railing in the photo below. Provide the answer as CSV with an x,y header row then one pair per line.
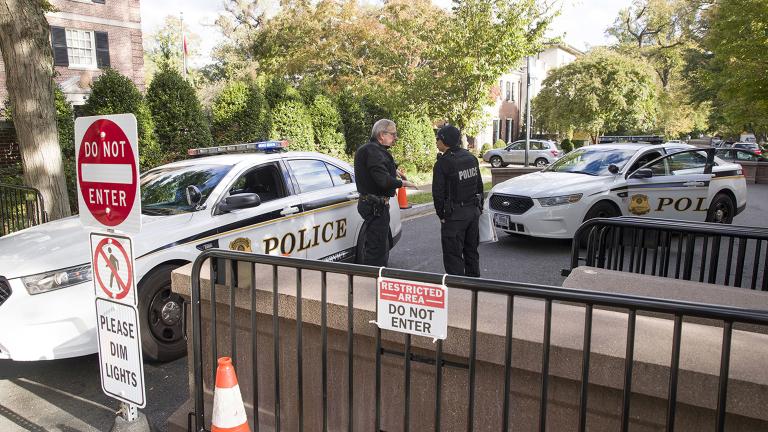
x,y
729,255
224,267
20,207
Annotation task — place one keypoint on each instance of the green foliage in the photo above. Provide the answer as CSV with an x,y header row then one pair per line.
x,y
601,91
566,145
578,143
358,114
327,127
113,93
65,122
291,121
240,114
278,90
485,148
734,66
499,144
415,147
163,48
179,121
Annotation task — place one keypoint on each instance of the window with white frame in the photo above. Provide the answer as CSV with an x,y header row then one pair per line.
x,y
81,49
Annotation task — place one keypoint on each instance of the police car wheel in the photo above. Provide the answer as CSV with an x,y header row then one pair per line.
x,y
496,162
601,210
721,210
161,317
541,163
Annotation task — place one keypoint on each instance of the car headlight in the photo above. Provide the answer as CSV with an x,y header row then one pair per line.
x,y
44,282
559,200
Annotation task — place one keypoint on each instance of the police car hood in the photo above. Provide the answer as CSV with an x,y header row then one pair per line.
x,y
66,242
546,184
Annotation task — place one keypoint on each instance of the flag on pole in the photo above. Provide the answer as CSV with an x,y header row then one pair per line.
x,y
184,51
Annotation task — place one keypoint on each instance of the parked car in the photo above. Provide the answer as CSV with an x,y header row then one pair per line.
x,y
749,146
293,204
540,153
663,181
740,155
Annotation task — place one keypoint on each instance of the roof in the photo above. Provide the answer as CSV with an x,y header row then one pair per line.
x,y
248,158
570,49
634,145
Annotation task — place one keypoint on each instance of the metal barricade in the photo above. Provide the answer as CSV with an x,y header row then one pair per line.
x,y
232,268
728,255
20,207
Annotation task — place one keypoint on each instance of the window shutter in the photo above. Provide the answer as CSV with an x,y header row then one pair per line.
x,y
98,1
59,44
102,49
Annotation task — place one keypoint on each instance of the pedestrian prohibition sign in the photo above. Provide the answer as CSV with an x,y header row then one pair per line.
x,y
412,307
106,148
112,264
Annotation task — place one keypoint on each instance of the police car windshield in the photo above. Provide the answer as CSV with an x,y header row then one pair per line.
x,y
593,160
163,190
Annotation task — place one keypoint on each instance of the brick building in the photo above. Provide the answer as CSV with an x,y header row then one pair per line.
x,y
87,36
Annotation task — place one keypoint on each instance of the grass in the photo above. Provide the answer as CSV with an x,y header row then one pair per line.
x,y
426,197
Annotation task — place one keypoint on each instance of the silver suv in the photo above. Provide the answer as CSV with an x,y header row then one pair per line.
x,y
541,153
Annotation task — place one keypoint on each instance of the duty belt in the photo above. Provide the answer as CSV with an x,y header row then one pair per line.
x,y
471,203
375,199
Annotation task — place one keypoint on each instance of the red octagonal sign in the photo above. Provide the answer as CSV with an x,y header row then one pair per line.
x,y
107,171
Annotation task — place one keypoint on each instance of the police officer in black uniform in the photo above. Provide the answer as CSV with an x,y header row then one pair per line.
x,y
457,190
376,176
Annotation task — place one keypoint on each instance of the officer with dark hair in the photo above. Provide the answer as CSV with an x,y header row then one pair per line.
x,y
457,190
376,177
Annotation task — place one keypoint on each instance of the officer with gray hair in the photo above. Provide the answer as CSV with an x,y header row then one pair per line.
x,y
377,179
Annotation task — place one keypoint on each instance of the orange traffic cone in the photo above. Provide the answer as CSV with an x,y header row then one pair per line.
x,y
402,198
228,408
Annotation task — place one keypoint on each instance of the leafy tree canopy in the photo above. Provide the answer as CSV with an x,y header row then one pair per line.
x,y
601,92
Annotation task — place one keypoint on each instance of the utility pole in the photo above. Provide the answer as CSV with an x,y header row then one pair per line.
x,y
527,107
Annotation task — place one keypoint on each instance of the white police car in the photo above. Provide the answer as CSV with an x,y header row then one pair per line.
x,y
674,181
293,204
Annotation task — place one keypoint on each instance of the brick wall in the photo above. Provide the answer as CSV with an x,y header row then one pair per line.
x,y
9,148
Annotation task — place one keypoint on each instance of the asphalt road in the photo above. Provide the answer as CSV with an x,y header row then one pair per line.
x,y
65,395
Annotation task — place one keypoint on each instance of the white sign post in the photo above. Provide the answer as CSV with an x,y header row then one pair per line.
x,y
412,307
107,152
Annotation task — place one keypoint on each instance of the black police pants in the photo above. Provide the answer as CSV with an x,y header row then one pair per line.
x,y
375,234
460,237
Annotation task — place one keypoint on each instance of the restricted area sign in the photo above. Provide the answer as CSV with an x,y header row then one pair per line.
x,y
113,268
106,149
120,358
412,307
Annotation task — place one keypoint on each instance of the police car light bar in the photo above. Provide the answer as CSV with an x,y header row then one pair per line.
x,y
260,147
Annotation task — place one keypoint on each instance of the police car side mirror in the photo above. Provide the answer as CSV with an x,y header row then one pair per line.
x,y
239,201
642,173
613,169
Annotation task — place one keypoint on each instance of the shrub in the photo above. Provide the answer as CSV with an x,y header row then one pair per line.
x,y
356,129
577,143
113,93
240,114
497,145
278,90
179,121
65,121
566,145
291,121
327,127
415,147
486,147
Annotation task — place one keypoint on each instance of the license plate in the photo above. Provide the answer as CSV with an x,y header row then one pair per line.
x,y
501,220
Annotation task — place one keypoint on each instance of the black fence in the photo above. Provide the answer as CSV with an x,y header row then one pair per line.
x,y
727,255
259,355
20,207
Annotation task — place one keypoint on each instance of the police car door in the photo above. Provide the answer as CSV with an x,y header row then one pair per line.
x,y
673,187
272,226
329,196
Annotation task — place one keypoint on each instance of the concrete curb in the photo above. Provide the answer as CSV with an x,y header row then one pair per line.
x,y
417,211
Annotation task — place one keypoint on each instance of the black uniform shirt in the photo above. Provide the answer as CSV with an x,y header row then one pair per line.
x,y
456,180
375,170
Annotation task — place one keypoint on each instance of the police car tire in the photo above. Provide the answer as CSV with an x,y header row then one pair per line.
x,y
722,202
541,162
496,162
602,209
155,286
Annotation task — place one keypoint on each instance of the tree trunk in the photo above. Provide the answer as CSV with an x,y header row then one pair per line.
x,y
28,58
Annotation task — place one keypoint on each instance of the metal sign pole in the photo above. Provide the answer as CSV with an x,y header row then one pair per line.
x,y
527,107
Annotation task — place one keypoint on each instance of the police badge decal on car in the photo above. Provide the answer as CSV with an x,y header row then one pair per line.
x,y
638,204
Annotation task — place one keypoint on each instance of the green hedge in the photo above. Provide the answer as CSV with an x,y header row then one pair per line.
x,y
278,90
240,114
291,121
65,122
179,121
327,127
498,144
566,145
415,148
486,148
113,93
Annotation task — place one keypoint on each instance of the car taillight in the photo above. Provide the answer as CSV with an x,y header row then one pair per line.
x,y
554,152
